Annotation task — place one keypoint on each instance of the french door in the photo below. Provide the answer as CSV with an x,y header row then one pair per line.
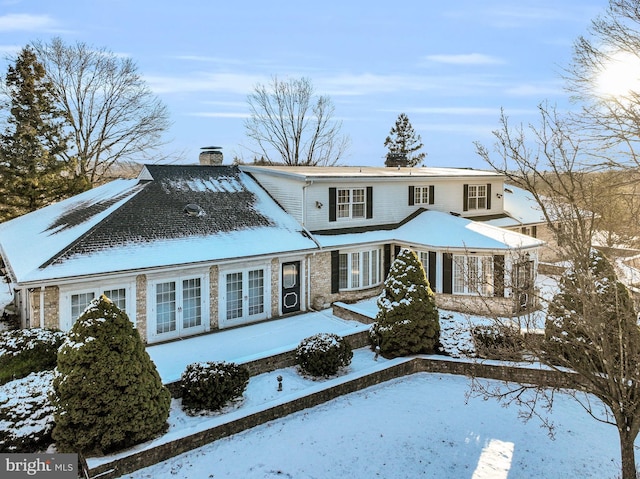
x,y
244,296
179,307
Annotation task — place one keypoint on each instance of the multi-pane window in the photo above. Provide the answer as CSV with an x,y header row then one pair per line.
x,y
351,203
359,269
118,297
191,303
477,197
421,195
79,302
245,292
165,307
234,295
473,275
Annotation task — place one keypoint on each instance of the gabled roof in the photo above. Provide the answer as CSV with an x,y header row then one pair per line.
x,y
437,230
170,215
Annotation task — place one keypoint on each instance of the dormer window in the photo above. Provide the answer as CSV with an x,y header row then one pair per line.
x,y
476,197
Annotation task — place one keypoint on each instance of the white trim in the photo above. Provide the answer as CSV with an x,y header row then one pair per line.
x,y
223,322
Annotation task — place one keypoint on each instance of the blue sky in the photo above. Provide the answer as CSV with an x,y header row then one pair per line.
x,y
450,66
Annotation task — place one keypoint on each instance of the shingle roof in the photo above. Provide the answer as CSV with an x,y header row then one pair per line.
x,y
145,223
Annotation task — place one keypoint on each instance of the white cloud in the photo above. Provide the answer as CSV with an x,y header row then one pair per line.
x,y
536,89
466,59
25,22
220,114
213,82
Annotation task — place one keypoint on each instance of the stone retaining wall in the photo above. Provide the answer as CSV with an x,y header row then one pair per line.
x,y
139,460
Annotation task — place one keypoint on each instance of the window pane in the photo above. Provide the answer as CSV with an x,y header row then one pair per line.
x,y
289,275
79,302
118,296
421,195
358,203
355,270
358,211
366,280
375,266
458,274
234,295
343,270
165,307
191,303
256,291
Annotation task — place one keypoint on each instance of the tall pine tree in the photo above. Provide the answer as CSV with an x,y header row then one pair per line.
x,y
32,174
403,140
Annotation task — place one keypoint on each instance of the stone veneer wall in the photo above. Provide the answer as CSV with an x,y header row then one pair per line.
x,y
213,297
51,307
275,288
141,306
138,460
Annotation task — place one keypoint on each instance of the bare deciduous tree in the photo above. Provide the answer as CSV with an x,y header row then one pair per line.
x,y
289,125
111,113
591,327
604,77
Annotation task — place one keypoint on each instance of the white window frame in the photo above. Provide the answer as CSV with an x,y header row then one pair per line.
x,y
421,195
361,269
250,313
180,329
473,275
349,201
477,197
67,293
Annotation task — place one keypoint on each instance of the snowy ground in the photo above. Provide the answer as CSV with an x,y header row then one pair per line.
x,y
419,426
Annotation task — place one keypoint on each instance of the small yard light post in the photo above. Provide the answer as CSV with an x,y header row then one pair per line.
x,y
375,358
279,378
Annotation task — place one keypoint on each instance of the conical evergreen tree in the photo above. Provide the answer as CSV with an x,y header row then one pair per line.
x,y
32,173
407,321
404,140
107,392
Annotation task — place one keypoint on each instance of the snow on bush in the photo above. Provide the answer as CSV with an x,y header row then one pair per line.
x,y
456,339
211,385
24,351
323,354
26,414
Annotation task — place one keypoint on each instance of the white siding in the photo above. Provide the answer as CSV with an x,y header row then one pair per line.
x,y
288,192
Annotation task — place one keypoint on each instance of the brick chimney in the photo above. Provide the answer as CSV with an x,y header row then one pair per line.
x,y
211,155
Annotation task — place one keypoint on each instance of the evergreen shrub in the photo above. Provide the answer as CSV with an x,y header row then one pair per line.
x,y
24,351
107,392
407,321
26,414
209,386
324,354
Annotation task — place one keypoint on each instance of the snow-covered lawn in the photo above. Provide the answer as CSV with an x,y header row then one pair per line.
x,y
418,426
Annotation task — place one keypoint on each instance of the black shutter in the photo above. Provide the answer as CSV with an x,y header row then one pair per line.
x,y
432,194
332,204
534,231
396,251
465,197
335,271
387,259
369,202
488,196
447,273
412,195
431,274
498,275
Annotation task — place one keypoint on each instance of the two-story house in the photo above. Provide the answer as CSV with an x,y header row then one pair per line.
x,y
189,249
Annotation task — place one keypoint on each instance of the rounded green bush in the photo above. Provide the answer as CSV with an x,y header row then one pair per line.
x,y
210,385
323,354
24,351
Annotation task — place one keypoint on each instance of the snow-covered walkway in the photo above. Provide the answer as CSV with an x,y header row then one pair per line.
x,y
247,343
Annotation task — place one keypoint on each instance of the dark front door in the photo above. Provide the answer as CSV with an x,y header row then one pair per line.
x,y
290,287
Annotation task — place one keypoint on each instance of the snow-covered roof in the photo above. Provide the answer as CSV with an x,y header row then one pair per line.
x,y
304,173
520,207
437,230
143,223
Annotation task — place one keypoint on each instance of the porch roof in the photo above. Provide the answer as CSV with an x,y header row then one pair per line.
x,y
437,230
